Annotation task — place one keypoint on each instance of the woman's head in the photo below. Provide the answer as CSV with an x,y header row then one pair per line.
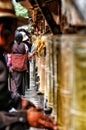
x,y
18,37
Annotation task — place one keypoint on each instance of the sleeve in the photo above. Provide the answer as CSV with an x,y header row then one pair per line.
x,y
32,48
4,93
9,63
7,118
26,48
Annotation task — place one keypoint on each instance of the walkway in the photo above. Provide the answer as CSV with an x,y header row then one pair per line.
x,y
31,95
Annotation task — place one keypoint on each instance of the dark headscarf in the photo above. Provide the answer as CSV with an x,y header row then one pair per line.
x,y
18,37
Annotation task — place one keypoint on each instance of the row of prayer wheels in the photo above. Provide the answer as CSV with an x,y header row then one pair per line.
x,y
62,74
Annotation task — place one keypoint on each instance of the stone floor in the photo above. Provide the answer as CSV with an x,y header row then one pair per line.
x,y
38,100
31,94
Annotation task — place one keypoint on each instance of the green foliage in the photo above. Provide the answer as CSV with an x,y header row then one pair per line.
x,y
20,10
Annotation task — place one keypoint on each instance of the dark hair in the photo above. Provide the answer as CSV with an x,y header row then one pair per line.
x,y
18,36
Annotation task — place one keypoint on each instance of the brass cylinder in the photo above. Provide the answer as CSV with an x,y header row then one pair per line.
x,y
64,80
39,65
49,71
42,75
78,103
47,80
55,74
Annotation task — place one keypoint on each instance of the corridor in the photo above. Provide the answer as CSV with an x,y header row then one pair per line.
x,y
31,94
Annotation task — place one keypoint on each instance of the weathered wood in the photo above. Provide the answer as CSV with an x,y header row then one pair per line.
x,y
49,10
71,17
22,21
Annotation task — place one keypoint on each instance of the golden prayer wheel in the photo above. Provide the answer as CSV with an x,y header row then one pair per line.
x,y
49,71
47,80
37,43
78,103
41,51
64,81
40,45
55,40
59,78
39,64
42,75
78,121
64,71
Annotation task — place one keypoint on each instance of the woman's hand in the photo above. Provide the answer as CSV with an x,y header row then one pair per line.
x,y
11,69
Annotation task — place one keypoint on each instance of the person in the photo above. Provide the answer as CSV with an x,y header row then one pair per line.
x,y
17,75
27,40
31,51
20,117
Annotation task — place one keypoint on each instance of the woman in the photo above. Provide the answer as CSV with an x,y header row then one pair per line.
x,y
17,76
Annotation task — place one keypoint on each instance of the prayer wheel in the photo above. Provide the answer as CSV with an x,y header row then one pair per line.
x,y
40,45
39,64
47,78
41,52
64,81
42,75
56,42
49,72
38,61
78,103
59,78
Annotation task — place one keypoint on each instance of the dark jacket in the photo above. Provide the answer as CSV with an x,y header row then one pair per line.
x,y
13,120
5,95
7,101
